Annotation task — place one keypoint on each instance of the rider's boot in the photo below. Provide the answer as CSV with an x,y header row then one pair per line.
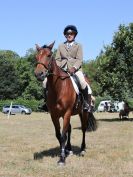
x,y
87,100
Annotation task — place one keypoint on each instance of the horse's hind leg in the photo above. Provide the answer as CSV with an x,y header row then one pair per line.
x,y
83,118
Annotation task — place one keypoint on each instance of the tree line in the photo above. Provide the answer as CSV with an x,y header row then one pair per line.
x,y
111,72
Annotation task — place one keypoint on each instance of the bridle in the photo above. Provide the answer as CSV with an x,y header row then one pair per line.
x,y
48,68
49,64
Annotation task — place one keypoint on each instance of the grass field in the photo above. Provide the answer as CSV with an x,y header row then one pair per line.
x,y
109,149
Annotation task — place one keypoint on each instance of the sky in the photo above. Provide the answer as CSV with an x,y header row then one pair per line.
x,y
23,23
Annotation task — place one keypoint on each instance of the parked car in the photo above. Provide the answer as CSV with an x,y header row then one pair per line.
x,y
16,109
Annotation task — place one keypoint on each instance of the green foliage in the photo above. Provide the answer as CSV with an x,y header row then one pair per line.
x,y
4,54
17,76
90,68
9,79
115,73
130,102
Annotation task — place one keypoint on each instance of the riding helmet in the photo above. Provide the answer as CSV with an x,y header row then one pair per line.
x,y
71,28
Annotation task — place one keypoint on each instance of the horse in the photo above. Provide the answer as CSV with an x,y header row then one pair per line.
x,y
61,100
124,113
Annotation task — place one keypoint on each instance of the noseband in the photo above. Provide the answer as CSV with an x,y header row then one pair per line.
x,y
49,70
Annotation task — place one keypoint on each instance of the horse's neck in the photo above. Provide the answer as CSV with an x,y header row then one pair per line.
x,y
56,77
54,69
57,71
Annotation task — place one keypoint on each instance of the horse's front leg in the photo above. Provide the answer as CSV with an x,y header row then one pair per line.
x,y
66,123
62,155
68,148
57,128
83,118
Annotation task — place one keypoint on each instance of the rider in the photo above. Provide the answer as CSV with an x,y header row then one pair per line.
x,y
69,56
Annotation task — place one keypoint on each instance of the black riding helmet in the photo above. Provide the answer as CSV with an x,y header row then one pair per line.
x,y
71,28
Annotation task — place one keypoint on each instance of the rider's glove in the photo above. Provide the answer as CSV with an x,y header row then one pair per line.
x,y
72,70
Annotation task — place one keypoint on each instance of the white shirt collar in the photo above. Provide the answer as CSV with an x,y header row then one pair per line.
x,y
69,44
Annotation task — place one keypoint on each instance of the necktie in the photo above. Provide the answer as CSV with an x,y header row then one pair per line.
x,y
68,45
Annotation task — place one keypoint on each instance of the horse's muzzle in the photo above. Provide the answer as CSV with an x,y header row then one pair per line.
x,y
40,76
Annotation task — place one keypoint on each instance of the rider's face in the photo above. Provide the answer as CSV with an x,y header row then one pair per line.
x,y
70,36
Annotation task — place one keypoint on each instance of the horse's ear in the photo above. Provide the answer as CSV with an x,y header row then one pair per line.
x,y
51,45
37,47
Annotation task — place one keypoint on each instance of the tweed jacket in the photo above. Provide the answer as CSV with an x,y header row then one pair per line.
x,y
72,57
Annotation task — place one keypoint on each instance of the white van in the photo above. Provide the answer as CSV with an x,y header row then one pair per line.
x,y
119,105
102,104
116,106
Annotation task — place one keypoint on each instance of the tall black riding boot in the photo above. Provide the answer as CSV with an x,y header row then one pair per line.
x,y
87,100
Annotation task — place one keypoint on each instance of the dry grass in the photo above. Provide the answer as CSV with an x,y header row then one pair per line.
x,y
109,149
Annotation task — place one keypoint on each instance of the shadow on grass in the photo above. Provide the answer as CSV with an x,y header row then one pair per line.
x,y
53,152
87,131
115,120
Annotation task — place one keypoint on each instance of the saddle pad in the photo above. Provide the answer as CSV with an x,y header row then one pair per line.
x,y
75,86
77,89
89,89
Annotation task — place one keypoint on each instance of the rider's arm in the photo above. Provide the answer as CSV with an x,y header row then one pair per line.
x,y
79,58
58,57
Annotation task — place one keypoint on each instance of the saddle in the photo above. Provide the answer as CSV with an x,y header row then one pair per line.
x,y
77,86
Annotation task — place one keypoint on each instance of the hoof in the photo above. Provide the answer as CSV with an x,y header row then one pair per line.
x,y
61,162
68,153
82,153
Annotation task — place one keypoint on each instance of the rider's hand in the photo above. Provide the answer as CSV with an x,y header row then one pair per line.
x,y
72,70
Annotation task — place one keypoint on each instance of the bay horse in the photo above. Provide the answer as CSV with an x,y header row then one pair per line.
x,y
61,100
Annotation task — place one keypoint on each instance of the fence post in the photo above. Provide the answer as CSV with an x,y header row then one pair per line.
x,y
9,110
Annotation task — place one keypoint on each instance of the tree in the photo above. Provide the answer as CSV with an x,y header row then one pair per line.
x,y
9,82
90,68
115,73
30,87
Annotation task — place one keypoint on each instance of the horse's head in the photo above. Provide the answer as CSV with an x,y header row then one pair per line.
x,y
43,59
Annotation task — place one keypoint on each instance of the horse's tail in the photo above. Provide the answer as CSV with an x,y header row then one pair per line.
x,y
92,123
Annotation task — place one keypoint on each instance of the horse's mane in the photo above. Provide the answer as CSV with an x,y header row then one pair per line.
x,y
45,46
62,72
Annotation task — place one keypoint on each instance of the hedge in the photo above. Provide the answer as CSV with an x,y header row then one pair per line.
x,y
130,102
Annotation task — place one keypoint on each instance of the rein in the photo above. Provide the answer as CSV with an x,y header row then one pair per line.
x,y
48,68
